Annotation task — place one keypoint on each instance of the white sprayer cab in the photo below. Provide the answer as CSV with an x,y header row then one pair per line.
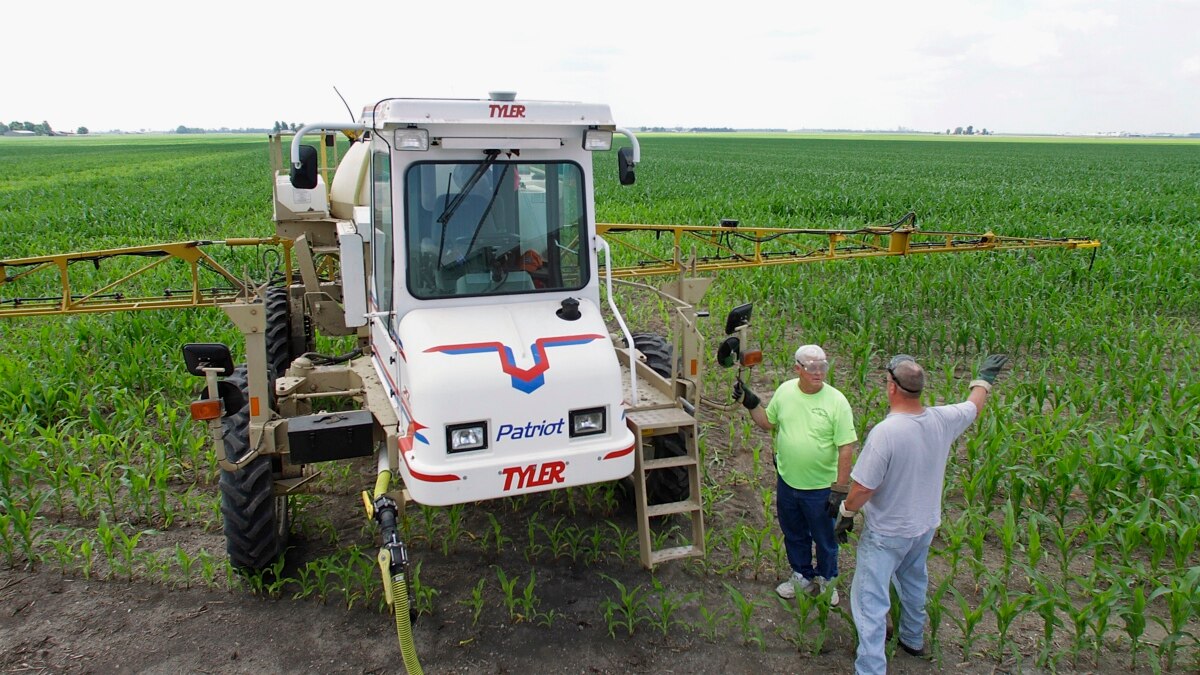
x,y
484,297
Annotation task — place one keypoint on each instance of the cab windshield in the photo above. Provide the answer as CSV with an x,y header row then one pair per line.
x,y
494,228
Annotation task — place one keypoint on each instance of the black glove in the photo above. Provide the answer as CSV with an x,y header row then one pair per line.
x,y
991,367
843,528
747,397
837,495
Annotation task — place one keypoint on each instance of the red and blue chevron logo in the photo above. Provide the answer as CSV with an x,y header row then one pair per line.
x,y
527,380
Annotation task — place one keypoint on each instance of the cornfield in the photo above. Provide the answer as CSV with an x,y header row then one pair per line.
x,y
1071,507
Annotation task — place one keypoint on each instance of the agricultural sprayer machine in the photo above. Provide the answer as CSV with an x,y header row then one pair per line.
x,y
455,244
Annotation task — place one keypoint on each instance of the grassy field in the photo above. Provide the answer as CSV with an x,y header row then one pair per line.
x,y
1072,506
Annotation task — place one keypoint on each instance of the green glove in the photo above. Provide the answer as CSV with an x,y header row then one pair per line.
x,y
991,367
743,394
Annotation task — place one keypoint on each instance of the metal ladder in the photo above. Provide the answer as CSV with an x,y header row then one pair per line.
x,y
646,424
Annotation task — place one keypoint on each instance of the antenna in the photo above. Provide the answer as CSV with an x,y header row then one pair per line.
x,y
335,90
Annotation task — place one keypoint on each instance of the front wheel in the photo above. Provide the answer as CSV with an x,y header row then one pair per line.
x,y
255,520
671,484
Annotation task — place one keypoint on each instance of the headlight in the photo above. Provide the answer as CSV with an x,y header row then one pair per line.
x,y
464,437
588,422
412,139
596,139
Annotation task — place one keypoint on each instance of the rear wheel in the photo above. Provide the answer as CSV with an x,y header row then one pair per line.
x,y
256,521
657,350
279,342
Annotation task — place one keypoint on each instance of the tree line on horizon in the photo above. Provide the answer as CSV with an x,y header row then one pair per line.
x,y
43,129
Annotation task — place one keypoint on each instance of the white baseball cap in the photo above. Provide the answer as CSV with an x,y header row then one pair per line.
x,y
812,358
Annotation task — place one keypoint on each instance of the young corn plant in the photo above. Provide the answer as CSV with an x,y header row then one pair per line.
x,y
423,594
429,518
800,609
475,602
1183,601
713,621
1134,616
508,589
208,569
935,610
528,603
970,620
128,544
275,579
533,547
494,540
625,542
666,605
744,617
454,528
627,611
87,554
64,551
8,541
186,562
21,519
1006,605
305,586
1048,597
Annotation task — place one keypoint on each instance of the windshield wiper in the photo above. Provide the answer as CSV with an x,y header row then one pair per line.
x,y
448,213
468,252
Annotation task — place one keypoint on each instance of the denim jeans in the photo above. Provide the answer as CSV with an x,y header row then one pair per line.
x,y
900,561
805,522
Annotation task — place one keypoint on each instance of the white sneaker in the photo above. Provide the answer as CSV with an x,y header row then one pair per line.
x,y
787,589
821,583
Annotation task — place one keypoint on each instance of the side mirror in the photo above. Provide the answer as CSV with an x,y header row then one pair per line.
x,y
625,166
198,356
232,397
739,316
305,178
729,351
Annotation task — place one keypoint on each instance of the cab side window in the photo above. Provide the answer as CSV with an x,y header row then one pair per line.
x,y
383,262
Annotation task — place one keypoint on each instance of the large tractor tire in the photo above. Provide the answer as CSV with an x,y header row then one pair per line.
x,y
663,485
279,342
256,521
657,350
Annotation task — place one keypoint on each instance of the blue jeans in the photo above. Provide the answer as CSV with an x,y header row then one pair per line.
x,y
805,521
883,560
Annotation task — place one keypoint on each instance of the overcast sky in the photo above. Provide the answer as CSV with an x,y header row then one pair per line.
x,y
1049,66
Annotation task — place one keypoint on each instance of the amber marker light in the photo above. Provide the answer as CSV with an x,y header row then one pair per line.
x,y
208,409
751,358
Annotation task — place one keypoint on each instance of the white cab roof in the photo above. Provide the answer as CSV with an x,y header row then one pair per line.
x,y
392,112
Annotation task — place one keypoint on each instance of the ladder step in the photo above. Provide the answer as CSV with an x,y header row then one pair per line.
x,y
666,554
668,462
660,418
686,506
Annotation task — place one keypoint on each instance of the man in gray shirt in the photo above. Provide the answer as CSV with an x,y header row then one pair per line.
x,y
897,481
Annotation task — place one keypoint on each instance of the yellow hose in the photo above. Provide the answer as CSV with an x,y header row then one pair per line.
x,y
396,592
404,626
382,482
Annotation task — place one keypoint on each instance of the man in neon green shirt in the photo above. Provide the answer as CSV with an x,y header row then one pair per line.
x,y
814,435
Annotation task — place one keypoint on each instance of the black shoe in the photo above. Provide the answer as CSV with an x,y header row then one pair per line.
x,y
919,653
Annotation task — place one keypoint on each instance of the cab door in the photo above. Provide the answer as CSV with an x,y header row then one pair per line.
x,y
385,346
